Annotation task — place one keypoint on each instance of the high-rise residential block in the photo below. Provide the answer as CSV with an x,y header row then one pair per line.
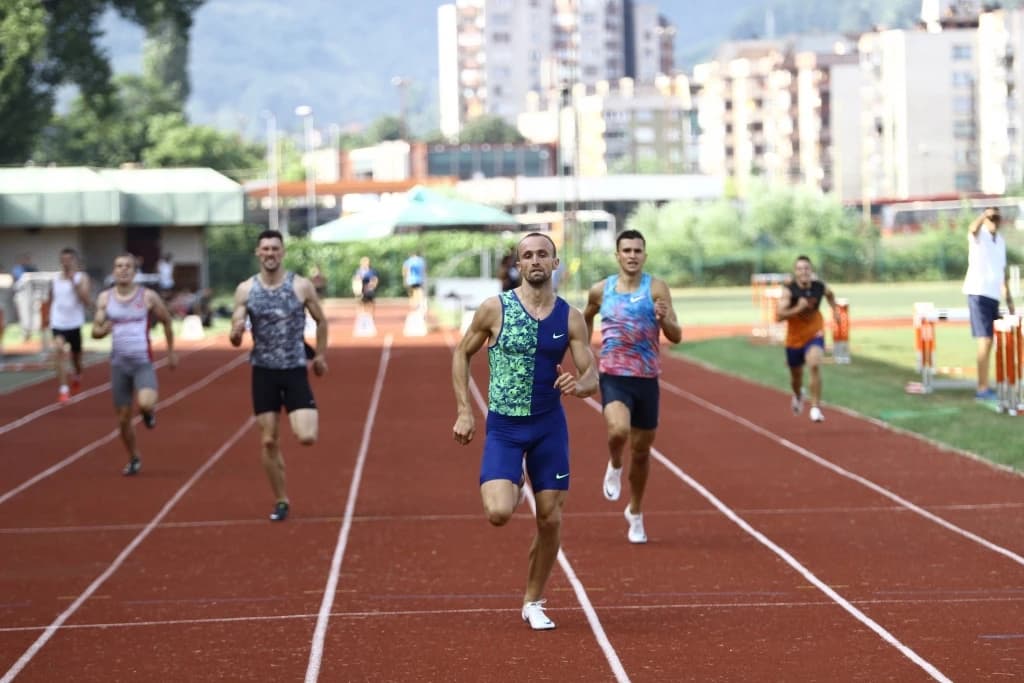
x,y
492,53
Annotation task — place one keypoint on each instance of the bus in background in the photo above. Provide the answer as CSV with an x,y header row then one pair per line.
x,y
907,216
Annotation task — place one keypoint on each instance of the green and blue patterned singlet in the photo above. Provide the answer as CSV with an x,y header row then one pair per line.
x,y
524,357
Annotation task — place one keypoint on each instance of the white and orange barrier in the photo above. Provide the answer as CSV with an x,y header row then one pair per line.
x,y
1008,359
841,332
925,317
766,294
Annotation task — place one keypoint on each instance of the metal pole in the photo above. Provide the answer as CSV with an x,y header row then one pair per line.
x,y
306,112
272,168
402,84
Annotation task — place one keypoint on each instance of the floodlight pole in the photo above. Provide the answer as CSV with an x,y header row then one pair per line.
x,y
272,168
306,113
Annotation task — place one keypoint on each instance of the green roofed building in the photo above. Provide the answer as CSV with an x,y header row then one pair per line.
x,y
105,212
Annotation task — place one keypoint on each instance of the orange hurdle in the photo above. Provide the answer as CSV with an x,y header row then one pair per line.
x,y
1007,352
841,332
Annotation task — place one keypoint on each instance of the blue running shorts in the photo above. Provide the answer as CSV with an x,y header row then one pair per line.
x,y
543,439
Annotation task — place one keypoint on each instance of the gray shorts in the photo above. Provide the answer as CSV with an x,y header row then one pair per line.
x,y
126,379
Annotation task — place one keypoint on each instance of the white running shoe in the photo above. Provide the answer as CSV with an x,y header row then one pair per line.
x,y
636,527
797,403
612,482
816,414
533,614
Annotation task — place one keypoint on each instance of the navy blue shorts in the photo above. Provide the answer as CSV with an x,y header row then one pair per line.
x,y
984,311
543,439
795,358
641,396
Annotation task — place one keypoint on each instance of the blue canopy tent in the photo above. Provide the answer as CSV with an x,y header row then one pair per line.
x,y
418,210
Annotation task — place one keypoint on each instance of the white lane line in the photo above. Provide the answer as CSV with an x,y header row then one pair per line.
x,y
41,641
391,614
190,389
755,512
316,649
815,458
99,389
794,563
563,561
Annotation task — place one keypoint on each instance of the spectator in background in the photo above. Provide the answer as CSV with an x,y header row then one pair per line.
x,y
319,280
508,272
414,274
23,293
985,283
140,275
368,280
165,274
23,266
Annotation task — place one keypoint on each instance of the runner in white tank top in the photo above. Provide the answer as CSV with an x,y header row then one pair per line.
x,y
124,311
69,296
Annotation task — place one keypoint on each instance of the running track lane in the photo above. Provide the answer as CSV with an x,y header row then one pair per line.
x,y
695,647
955,601
428,590
48,441
237,589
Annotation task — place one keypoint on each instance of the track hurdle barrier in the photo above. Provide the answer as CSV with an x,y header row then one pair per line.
x,y
841,332
1008,356
766,294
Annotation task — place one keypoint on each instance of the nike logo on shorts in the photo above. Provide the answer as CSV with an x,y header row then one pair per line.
x,y
561,476
558,336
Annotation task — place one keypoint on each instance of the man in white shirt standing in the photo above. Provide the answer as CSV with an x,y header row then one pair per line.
x,y
985,284
69,297
165,275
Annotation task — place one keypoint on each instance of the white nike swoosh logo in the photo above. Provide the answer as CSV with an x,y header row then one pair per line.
x,y
561,476
558,336
634,299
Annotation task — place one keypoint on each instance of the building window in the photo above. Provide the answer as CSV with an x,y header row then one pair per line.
x,y
963,104
966,181
962,79
963,130
962,52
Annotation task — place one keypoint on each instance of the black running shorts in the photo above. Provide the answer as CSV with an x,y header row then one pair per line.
x,y
639,394
73,336
274,389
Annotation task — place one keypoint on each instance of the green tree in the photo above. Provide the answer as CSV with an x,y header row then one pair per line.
x,y
383,129
119,134
25,99
489,129
46,44
177,144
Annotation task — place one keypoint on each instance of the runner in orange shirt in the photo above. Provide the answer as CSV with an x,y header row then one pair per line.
x,y
805,333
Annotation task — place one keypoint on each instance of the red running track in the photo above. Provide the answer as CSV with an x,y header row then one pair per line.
x,y
779,549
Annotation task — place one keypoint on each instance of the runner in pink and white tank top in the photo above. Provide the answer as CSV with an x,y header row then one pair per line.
x,y
130,332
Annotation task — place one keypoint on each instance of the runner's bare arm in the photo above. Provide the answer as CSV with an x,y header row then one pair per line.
x,y
307,292
482,327
238,315
100,323
665,312
594,299
582,357
156,306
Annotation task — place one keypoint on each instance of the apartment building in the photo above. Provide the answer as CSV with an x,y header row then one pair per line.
x,y
492,53
919,127
623,127
828,120
740,92
1000,106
